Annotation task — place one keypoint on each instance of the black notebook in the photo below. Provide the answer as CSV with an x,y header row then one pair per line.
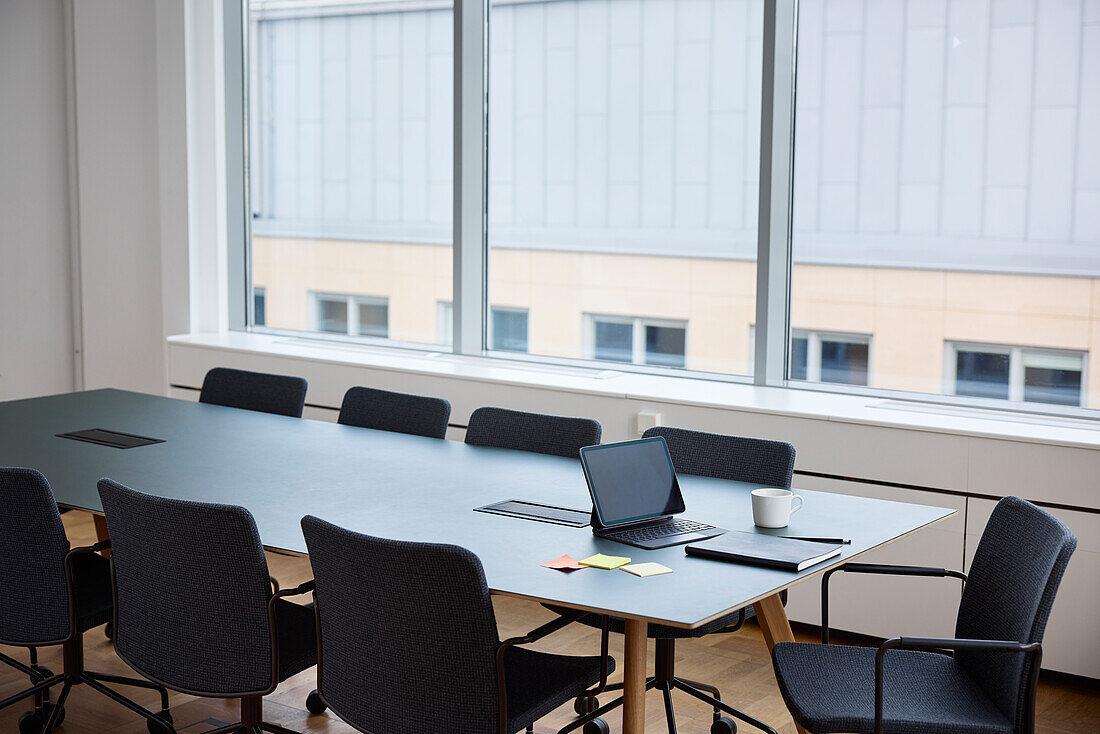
x,y
764,550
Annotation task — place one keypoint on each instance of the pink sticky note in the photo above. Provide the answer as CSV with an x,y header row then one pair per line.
x,y
565,563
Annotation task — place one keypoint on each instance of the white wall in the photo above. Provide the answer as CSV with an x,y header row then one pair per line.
x,y
94,250
36,329
118,193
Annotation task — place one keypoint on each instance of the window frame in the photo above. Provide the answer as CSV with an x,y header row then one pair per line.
x,y
471,322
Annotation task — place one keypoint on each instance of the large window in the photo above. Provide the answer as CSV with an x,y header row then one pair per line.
x,y
932,187
623,162
946,192
350,131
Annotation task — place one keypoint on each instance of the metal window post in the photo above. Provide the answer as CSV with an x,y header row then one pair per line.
x,y
773,266
238,219
470,158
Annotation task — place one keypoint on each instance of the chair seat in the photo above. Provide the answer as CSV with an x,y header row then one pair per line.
x,y
297,631
539,682
660,631
831,688
94,605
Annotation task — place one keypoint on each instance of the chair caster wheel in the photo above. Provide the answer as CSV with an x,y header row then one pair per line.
x,y
596,726
723,725
315,704
159,728
585,704
109,631
33,722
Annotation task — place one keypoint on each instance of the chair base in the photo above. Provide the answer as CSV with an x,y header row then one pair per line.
x,y
252,720
75,675
666,681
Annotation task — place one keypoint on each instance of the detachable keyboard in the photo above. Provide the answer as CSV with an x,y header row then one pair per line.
x,y
652,532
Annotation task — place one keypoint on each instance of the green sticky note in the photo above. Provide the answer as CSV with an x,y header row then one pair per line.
x,y
647,569
608,563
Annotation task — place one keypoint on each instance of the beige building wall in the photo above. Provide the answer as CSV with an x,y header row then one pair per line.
x,y
909,314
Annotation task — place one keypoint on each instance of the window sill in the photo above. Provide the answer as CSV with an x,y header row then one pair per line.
x,y
688,391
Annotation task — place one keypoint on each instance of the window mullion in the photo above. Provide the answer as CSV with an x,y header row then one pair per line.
x,y
470,125
1016,375
773,265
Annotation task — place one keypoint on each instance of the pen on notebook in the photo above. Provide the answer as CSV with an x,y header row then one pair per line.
x,y
841,541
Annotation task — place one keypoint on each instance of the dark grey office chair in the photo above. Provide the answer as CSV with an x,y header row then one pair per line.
x,y
756,460
259,391
904,686
50,595
366,407
534,432
408,641
193,607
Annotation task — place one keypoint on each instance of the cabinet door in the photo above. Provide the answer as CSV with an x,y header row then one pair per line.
x,y
890,606
1072,640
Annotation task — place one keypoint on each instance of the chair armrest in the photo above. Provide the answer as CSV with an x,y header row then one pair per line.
x,y
98,547
563,620
949,643
876,568
304,588
70,578
273,622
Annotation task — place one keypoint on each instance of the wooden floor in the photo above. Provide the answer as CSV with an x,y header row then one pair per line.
x,y
737,663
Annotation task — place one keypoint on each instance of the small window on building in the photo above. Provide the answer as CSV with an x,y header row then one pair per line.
x,y
259,307
822,356
508,332
351,315
1022,374
637,340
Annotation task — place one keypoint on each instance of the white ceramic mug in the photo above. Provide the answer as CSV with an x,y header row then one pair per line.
x,y
771,508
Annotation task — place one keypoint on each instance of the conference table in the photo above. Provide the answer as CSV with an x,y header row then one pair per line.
x,y
423,489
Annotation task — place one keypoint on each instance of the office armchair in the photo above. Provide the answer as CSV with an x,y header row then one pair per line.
x,y
203,622
408,641
278,394
541,434
50,595
756,460
986,686
383,410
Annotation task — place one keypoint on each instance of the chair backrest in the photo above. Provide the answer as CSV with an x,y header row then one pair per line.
x,y
191,592
540,434
740,459
407,633
34,595
366,407
1013,578
259,391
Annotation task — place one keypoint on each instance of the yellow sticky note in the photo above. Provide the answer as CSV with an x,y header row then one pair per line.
x,y
608,563
647,569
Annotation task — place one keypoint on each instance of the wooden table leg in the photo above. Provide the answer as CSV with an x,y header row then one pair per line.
x,y
101,532
775,626
634,677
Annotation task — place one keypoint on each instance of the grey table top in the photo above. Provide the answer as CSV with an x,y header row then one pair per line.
x,y
415,488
